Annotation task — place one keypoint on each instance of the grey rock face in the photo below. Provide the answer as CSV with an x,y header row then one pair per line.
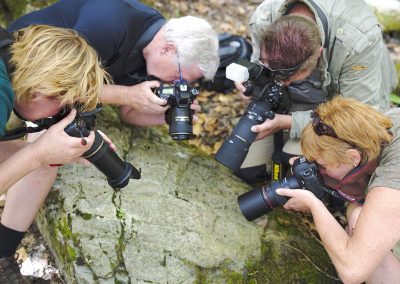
x,y
180,223
181,216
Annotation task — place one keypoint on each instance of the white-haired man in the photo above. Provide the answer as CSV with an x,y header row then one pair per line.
x,y
133,39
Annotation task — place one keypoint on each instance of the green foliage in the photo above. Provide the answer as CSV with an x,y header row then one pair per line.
x,y
395,99
12,9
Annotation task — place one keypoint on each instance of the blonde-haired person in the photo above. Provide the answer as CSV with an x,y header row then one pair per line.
x,y
357,150
56,67
52,68
134,41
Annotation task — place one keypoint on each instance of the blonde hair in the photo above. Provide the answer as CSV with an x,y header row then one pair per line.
x,y
356,125
58,63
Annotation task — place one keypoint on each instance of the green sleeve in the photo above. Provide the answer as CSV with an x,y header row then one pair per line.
x,y
6,97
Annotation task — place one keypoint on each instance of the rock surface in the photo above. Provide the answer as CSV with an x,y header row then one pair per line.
x,y
180,223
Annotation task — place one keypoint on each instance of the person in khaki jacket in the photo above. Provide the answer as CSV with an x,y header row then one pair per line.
x,y
318,49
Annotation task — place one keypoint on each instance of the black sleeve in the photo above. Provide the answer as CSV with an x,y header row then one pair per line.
x,y
101,22
103,28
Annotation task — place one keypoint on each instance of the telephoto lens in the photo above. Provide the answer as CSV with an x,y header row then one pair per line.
x,y
117,171
235,148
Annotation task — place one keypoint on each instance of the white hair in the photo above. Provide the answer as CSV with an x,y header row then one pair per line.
x,y
196,42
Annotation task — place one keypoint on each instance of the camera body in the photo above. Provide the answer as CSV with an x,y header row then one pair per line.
x,y
179,96
83,124
259,201
267,94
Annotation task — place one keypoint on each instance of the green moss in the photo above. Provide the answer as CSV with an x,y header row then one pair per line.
x,y
233,277
71,253
64,227
84,215
290,253
201,276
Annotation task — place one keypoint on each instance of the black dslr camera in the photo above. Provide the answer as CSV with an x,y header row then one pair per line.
x,y
268,95
117,171
179,96
260,201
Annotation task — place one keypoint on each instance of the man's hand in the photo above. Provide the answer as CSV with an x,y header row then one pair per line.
x,y
270,126
242,90
195,107
143,100
55,146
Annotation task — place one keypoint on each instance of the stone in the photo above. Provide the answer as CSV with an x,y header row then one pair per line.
x,y
180,223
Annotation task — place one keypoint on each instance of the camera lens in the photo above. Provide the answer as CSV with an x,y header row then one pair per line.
x,y
180,123
235,148
259,201
118,172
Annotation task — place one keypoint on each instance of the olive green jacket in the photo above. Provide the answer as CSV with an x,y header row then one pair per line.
x,y
355,61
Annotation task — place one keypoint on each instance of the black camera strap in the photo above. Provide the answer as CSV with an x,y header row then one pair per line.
x,y
20,132
341,196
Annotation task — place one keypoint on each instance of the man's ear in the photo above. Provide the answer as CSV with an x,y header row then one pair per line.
x,y
354,156
168,48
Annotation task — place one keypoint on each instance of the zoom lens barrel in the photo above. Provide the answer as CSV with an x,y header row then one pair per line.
x,y
235,148
180,123
259,201
117,171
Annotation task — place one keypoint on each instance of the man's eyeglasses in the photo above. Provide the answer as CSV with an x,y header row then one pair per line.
x,y
320,128
282,73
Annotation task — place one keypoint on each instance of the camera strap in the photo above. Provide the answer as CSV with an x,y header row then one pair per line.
x,y
20,132
353,186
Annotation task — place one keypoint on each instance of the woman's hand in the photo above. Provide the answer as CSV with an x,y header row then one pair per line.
x,y
108,140
299,199
55,146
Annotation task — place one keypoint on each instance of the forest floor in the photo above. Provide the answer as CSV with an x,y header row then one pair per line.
x,y
220,113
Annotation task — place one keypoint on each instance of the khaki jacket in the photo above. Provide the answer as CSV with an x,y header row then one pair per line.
x,y
355,61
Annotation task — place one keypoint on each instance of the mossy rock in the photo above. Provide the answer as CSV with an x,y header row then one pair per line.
x,y
180,223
